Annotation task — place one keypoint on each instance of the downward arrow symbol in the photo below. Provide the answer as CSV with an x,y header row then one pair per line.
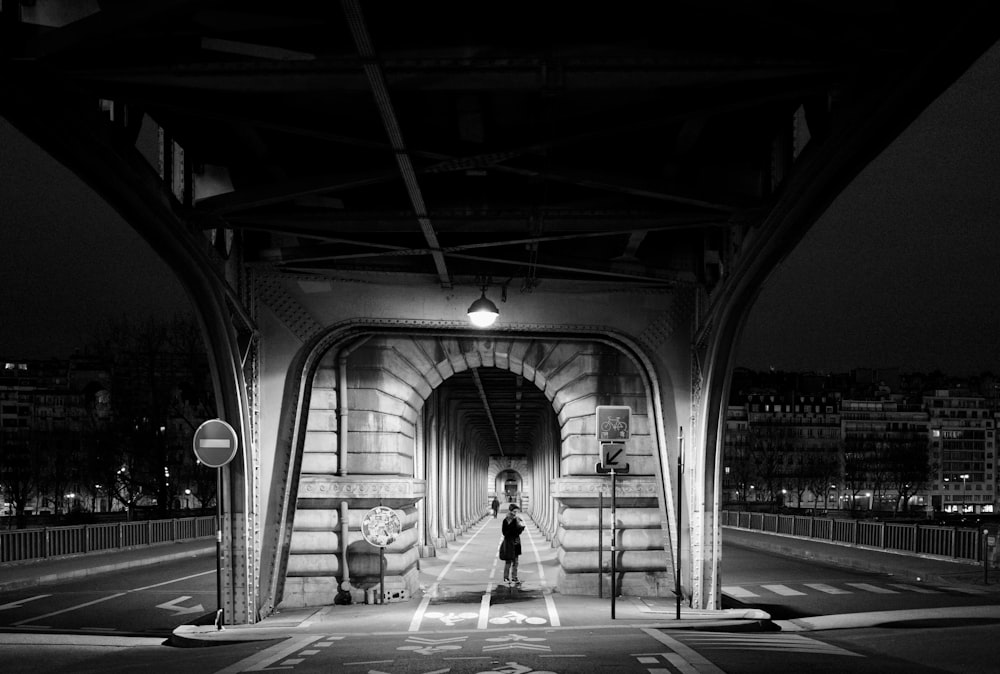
x,y
180,610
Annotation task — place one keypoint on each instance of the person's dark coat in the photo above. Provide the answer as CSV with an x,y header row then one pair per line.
x,y
511,546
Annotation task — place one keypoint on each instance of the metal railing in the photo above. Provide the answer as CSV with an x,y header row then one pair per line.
x,y
20,545
918,539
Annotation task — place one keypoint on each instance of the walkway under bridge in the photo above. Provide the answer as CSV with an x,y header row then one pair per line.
x,y
335,185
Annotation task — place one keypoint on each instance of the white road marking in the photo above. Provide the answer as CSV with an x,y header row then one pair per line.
x,y
868,587
181,610
110,597
261,661
550,605
829,589
792,643
737,591
71,608
418,615
168,582
783,590
700,663
915,588
21,602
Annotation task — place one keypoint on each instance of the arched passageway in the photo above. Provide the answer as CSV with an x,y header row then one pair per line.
x,y
435,426
508,487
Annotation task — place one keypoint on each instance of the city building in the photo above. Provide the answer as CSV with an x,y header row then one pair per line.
x,y
885,459
962,431
871,440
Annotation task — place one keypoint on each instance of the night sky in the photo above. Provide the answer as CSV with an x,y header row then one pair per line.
x,y
902,271
67,260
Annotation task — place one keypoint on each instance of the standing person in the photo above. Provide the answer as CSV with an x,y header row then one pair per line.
x,y
510,549
496,507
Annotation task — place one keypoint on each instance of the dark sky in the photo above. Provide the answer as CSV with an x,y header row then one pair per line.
x,y
902,271
67,260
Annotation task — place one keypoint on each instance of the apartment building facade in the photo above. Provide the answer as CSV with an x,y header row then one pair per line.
x,y
962,430
881,451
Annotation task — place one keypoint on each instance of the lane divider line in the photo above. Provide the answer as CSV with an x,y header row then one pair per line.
x,y
550,604
487,598
418,615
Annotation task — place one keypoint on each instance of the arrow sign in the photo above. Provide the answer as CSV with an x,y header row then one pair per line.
x,y
21,602
612,454
180,610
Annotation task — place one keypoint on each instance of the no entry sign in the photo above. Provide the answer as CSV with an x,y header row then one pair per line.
x,y
215,443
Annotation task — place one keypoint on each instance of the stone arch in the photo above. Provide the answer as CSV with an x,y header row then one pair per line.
x,y
367,452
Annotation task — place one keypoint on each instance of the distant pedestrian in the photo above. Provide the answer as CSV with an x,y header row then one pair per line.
x,y
510,548
496,507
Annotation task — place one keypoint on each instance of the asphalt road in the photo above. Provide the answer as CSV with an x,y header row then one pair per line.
x,y
119,623
791,588
144,601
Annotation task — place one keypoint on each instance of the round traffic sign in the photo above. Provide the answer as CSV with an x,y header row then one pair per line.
x,y
381,526
215,443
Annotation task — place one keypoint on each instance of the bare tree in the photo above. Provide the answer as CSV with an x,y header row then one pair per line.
x,y
20,474
908,470
858,456
768,450
161,392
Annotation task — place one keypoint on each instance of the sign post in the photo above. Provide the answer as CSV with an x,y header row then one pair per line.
x,y
680,481
600,545
613,430
215,444
380,527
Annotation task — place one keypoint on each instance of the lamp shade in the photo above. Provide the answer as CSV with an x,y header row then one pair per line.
x,y
483,313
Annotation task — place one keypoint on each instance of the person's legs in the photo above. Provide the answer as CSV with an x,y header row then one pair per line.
x,y
513,570
506,570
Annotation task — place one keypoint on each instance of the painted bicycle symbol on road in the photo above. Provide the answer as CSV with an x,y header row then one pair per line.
x,y
515,668
451,618
518,618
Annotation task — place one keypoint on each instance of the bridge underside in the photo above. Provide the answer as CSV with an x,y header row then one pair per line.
x,y
335,183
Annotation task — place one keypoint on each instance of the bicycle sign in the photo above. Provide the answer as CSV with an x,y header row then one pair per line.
x,y
613,422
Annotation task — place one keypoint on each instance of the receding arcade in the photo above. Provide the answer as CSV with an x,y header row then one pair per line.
x,y
408,446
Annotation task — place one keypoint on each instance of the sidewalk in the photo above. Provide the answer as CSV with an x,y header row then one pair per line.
x,y
912,568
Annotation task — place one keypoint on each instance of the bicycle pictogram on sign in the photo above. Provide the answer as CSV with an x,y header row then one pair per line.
x,y
613,422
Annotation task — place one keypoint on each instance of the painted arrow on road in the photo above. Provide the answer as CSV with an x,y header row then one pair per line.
x,y
180,610
21,602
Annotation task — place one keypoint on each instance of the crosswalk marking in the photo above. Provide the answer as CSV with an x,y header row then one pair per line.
x,y
914,588
828,589
747,592
738,592
762,642
868,587
783,590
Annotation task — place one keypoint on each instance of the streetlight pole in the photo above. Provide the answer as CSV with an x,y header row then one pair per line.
x,y
964,476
